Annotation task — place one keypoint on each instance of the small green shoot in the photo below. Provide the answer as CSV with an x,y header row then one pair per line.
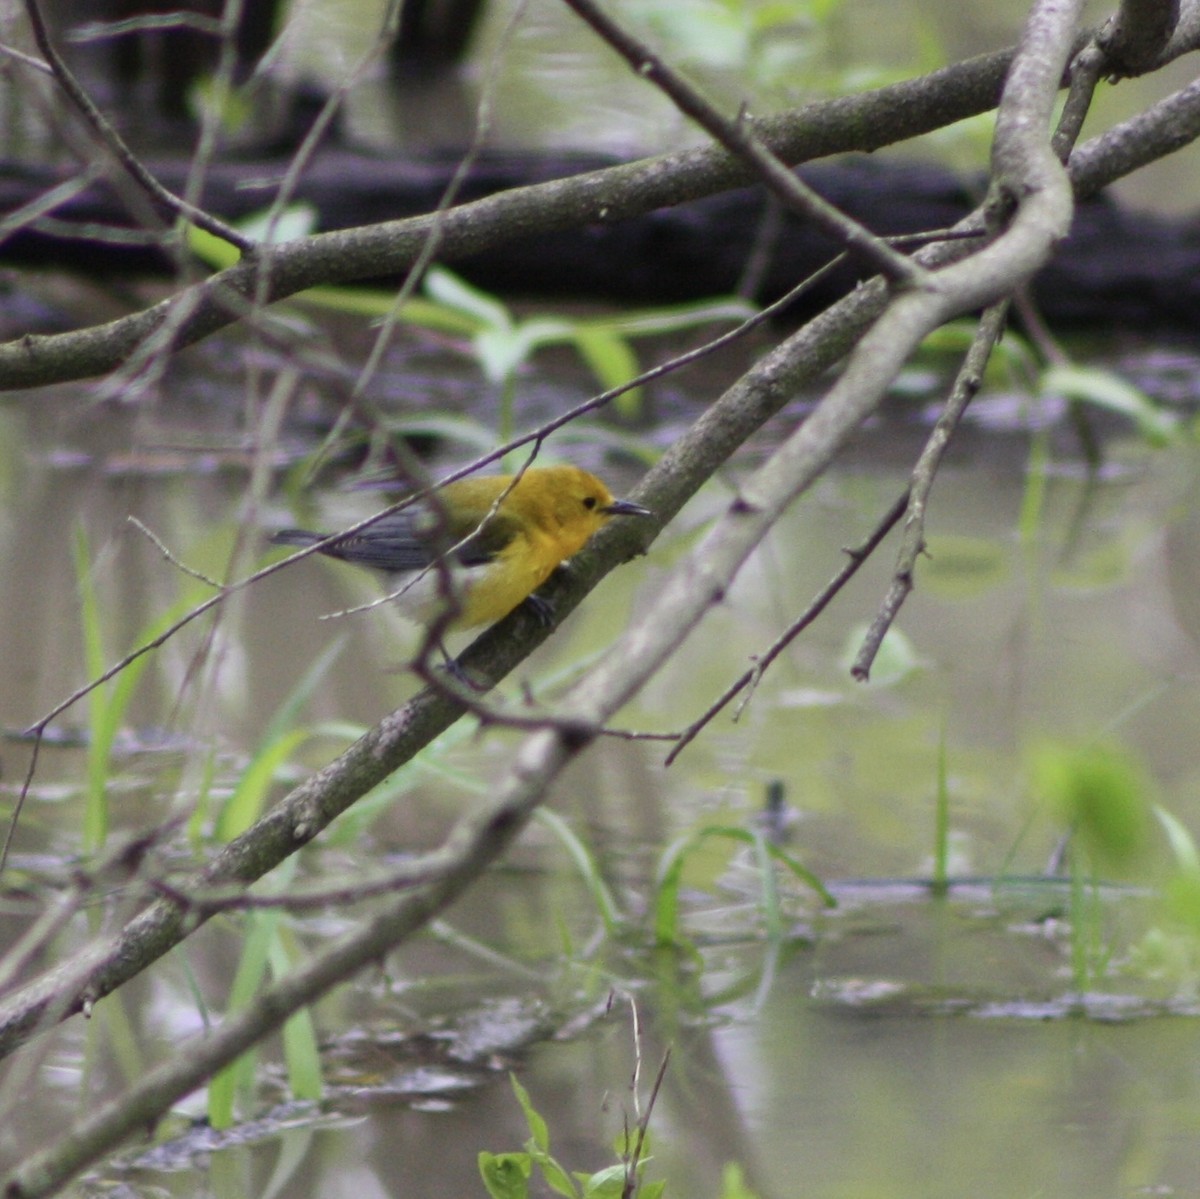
x,y
277,744
1103,796
267,945
585,863
509,1175
107,705
667,929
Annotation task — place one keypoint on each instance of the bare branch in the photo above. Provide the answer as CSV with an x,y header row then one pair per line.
x,y
1135,38
738,138
165,550
116,144
857,122
966,384
855,557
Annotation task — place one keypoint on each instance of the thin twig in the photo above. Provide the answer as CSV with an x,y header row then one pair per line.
x,y
643,1125
36,209
116,144
966,384
1087,69
163,549
208,902
482,128
855,557
24,59
738,138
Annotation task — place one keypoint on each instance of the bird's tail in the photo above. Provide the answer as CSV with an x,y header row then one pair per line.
x,y
296,537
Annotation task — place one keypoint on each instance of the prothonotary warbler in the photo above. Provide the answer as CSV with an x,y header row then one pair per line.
x,y
499,558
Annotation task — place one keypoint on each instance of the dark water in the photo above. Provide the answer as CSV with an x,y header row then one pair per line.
x,y
900,1044
852,1048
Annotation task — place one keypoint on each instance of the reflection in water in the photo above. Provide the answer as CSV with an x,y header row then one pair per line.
x,y
861,1046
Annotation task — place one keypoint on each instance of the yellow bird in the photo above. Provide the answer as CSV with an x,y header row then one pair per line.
x,y
497,558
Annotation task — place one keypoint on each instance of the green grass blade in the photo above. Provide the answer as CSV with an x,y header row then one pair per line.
x,y
613,361
301,1053
585,863
666,893
245,805
768,888
101,717
237,1078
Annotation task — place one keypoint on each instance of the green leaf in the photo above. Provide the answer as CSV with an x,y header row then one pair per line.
x,y
803,874
1105,389
237,1078
537,1125
288,712
1181,841
274,226
506,1175
674,859
678,318
276,745
300,1049
447,288
733,1183
1101,793
612,360
608,1183
212,250
587,866
109,703
557,1179
500,352
666,895
376,304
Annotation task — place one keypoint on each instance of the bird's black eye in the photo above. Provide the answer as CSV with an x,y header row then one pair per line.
x,y
590,502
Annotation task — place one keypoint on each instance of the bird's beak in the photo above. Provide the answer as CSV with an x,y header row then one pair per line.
x,y
625,508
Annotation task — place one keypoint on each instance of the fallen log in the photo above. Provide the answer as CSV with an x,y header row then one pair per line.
x,y
1118,268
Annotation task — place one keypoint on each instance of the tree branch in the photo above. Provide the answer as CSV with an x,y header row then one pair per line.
x,y
739,140
863,122
163,199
